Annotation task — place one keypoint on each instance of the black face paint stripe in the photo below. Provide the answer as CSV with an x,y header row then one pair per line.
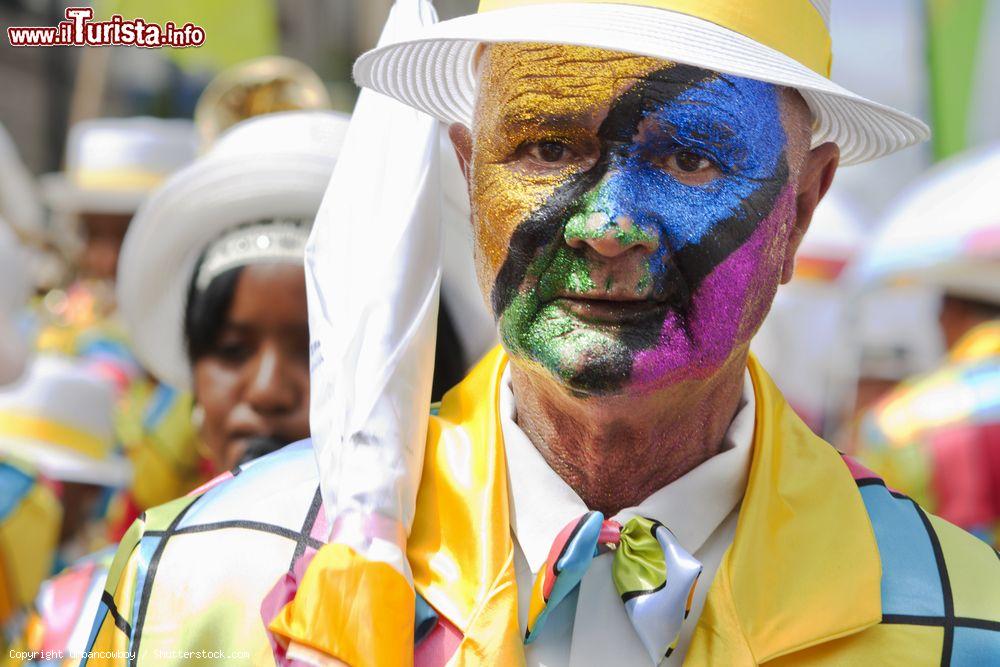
x,y
542,227
695,261
653,91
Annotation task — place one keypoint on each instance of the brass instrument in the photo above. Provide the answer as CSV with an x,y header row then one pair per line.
x,y
260,86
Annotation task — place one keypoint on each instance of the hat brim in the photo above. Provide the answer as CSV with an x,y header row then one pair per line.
x,y
66,466
176,223
433,70
62,195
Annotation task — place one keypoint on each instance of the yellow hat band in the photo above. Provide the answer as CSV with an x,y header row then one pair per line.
x,y
117,179
793,27
22,426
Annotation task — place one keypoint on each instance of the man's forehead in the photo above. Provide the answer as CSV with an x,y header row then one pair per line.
x,y
526,83
558,79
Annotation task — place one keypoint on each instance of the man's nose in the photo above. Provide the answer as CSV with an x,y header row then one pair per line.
x,y
606,224
608,237
269,390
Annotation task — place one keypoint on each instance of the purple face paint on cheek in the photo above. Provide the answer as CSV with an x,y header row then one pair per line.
x,y
725,310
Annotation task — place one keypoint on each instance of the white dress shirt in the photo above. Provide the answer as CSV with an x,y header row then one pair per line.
x,y
590,626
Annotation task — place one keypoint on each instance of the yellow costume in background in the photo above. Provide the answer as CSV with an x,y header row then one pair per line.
x,y
30,518
152,420
155,429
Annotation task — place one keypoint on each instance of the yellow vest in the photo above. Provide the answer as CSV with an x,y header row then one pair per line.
x,y
802,582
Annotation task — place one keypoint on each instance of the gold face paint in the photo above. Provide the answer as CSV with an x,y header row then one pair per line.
x,y
524,97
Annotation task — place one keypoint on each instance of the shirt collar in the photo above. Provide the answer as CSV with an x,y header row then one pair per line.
x,y
692,506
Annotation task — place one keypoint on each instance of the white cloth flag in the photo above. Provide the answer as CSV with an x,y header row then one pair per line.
x,y
373,274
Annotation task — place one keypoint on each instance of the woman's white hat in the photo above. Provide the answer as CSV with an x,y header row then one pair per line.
x,y
112,164
943,231
785,42
269,167
60,418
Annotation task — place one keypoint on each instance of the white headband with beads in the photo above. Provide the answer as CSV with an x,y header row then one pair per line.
x,y
264,242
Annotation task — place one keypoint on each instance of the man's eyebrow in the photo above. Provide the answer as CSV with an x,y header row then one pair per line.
x,y
516,118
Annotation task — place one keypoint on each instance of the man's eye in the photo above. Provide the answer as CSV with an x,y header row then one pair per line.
x,y
548,152
551,157
690,167
690,162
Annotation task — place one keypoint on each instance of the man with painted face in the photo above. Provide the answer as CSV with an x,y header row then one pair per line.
x,y
622,483
631,241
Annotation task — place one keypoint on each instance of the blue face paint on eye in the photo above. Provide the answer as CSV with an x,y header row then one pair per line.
x,y
733,122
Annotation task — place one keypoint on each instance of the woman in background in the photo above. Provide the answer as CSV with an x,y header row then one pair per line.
x,y
212,289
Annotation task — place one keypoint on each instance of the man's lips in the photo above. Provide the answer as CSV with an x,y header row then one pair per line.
x,y
604,310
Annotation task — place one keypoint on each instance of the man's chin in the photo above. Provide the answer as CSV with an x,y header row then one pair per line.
x,y
585,365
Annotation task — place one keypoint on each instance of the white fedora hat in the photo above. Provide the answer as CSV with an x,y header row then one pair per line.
x,y
275,166
785,42
112,164
943,231
60,418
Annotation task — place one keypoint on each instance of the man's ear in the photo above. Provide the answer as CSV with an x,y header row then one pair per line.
x,y
461,140
815,179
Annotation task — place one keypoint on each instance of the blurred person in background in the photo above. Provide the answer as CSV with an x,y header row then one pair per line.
x,y
29,511
111,166
156,423
29,533
168,451
213,289
804,342
937,436
58,463
892,336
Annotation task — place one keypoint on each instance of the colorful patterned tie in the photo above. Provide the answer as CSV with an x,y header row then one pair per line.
x,y
653,573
